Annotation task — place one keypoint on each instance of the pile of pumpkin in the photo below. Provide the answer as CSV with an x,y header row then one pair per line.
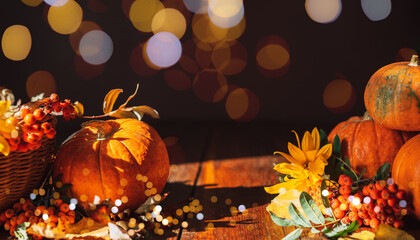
x,y
390,130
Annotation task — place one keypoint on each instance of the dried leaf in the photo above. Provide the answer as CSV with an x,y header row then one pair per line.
x,y
386,232
117,233
110,99
129,98
149,204
146,110
134,112
363,235
78,107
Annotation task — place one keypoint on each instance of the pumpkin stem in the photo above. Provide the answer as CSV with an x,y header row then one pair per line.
x,y
414,61
103,128
366,116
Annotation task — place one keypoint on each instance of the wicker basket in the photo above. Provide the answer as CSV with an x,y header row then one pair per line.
x,y
22,172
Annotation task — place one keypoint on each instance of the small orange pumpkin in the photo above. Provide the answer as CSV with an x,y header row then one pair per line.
x,y
367,144
406,171
114,159
392,95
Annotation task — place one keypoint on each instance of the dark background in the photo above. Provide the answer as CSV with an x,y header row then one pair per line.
x,y
352,48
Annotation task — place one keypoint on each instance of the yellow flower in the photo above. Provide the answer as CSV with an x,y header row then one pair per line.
x,y
307,163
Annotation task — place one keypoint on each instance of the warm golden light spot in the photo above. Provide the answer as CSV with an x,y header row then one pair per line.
x,y
92,207
190,215
195,202
16,42
32,3
85,171
124,199
229,57
123,182
273,57
35,191
186,209
210,86
201,29
242,105
159,218
232,222
37,212
42,192
339,96
160,232
179,212
85,27
199,208
142,12
83,198
144,179
165,222
323,11
153,191
90,222
228,201
139,177
210,226
228,34
213,199
175,221
149,184
174,168
411,184
65,19
120,191
157,197
56,195
177,79
148,215
147,193
202,54
157,225
184,224
169,20
245,212
141,226
132,223
58,184
170,219
40,82
225,8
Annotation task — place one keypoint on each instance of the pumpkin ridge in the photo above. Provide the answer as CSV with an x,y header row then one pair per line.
x,y
98,154
131,154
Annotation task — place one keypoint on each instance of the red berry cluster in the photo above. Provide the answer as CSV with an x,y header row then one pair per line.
x,y
377,203
31,126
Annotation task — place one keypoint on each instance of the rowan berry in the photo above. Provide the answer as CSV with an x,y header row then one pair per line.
x,y
33,219
37,237
52,218
380,185
17,207
39,114
385,194
71,213
365,191
393,188
21,219
362,214
3,217
51,134
48,109
390,219
29,119
344,207
28,206
23,112
12,231
345,190
346,220
334,203
381,202
341,179
375,194
341,198
13,221
401,194
371,187
398,223
6,225
374,223
9,213
339,213
348,181
58,202
12,122
54,97
64,207
366,221
51,225
46,127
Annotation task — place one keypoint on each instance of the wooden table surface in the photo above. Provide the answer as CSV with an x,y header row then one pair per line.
x,y
225,166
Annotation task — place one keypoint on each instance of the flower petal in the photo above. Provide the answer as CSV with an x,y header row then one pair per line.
x,y
317,166
287,168
4,146
275,189
310,155
4,106
296,153
297,137
325,151
316,138
288,157
307,142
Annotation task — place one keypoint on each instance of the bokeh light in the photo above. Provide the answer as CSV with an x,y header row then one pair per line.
x,y
16,42
96,6
180,6
272,56
187,61
225,13
202,54
405,54
323,11
201,29
126,5
85,70
228,34
169,20
376,10
96,47
40,82
142,12
65,19
138,62
210,86
85,27
32,3
164,49
177,79
339,96
230,58
56,3
197,6
242,104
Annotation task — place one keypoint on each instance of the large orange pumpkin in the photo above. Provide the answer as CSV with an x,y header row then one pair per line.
x,y
367,144
114,159
392,95
406,170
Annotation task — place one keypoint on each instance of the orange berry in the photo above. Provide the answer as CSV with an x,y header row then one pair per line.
x,y
71,213
54,97
334,203
12,122
9,213
366,221
51,225
71,220
345,190
341,179
348,181
53,218
380,185
366,191
29,119
362,214
46,126
59,214
28,206
21,219
393,188
22,147
374,223
398,223
23,112
401,194
51,134
64,219
13,221
385,194
390,220
41,223
375,194
338,213
381,202
50,210
12,231
64,207
3,217
346,220
33,219
58,202
39,114
353,216
341,198
344,207
17,207
37,237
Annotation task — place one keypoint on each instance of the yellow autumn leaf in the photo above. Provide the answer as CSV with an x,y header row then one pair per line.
x,y
386,232
363,235
78,107
4,146
4,106
280,204
110,99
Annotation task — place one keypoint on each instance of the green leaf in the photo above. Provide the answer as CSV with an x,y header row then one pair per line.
x,y
348,173
310,208
323,138
347,160
329,219
314,230
325,200
337,146
361,175
326,230
64,187
283,222
383,171
334,165
297,217
353,227
294,235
